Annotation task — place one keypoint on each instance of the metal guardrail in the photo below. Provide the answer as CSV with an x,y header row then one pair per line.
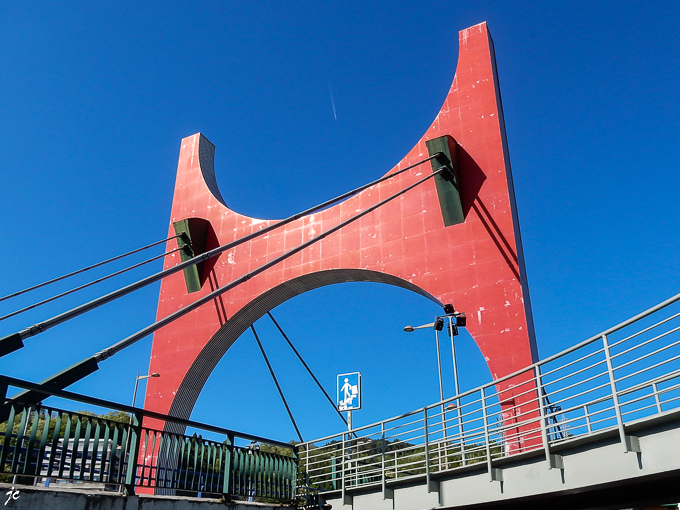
x,y
626,373
46,443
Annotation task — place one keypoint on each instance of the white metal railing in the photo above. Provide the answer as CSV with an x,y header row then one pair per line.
x,y
626,373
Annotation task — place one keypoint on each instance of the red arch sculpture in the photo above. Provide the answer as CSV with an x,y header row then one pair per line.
x,y
477,265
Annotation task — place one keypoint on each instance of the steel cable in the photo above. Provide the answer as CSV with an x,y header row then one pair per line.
x,y
98,280
18,293
278,386
307,367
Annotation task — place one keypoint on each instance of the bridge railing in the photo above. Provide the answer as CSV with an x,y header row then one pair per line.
x,y
625,374
42,443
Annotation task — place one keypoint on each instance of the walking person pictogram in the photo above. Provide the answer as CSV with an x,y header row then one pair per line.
x,y
349,391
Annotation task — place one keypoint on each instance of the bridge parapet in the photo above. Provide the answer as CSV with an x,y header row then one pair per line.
x,y
605,385
43,443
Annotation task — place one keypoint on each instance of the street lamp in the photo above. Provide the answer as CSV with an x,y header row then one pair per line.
x,y
410,329
134,398
139,378
455,320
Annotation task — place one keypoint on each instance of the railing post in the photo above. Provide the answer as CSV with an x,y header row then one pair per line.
x,y
132,454
31,445
387,493
657,400
554,461
294,475
630,443
342,469
382,456
587,415
21,434
228,463
334,472
427,452
345,499
8,435
494,474
307,473
431,486
459,412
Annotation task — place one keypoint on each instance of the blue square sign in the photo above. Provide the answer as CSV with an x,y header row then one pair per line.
x,y
349,391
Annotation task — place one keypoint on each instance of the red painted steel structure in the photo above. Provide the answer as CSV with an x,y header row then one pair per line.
x,y
477,265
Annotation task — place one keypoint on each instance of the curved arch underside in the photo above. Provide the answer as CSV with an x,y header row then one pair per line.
x,y
476,264
224,338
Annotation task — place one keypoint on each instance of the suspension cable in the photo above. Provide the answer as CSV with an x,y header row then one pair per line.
x,y
278,386
89,365
44,301
13,341
85,269
106,353
307,367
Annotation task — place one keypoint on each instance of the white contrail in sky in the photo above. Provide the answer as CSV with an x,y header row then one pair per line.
x,y
330,89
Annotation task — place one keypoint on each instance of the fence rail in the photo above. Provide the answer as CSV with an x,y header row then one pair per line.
x,y
626,373
46,443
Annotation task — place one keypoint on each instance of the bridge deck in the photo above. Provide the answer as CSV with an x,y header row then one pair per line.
x,y
595,468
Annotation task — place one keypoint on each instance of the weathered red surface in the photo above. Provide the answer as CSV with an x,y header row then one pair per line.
x,y
476,265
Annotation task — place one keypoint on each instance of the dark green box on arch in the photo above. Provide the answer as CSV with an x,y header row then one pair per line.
x,y
192,234
447,183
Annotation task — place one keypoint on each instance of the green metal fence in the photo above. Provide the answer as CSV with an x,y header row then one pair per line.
x,y
46,443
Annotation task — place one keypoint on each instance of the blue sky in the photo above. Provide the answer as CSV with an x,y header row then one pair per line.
x,y
95,98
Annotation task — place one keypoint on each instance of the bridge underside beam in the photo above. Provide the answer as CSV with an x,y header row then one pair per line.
x,y
643,492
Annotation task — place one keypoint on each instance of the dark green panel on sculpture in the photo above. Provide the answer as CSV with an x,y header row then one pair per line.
x,y
192,234
447,183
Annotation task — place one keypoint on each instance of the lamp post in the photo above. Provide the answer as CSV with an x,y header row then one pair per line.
x,y
139,378
134,398
437,325
453,355
455,320
461,321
